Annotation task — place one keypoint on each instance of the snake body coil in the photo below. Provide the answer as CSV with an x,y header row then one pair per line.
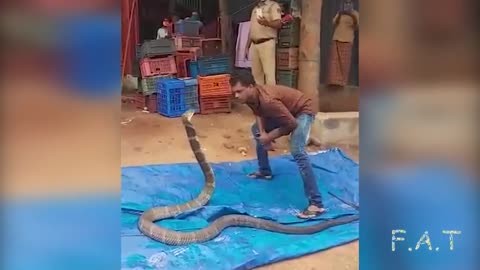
x,y
149,228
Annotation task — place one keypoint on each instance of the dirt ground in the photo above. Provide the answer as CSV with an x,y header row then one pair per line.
x,y
152,139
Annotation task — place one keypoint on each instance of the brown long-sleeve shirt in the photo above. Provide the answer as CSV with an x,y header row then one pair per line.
x,y
278,106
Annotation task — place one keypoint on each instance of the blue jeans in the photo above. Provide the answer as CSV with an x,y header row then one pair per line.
x,y
298,140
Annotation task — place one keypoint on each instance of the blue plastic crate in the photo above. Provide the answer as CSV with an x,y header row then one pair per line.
x,y
192,69
191,94
171,97
187,28
213,65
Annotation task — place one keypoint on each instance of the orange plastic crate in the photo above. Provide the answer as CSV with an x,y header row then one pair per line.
x,y
215,104
215,85
182,56
158,66
287,58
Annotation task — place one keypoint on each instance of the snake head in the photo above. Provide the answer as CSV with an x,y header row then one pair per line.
x,y
187,116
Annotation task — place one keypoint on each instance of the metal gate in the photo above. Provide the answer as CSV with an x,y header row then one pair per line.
x,y
191,4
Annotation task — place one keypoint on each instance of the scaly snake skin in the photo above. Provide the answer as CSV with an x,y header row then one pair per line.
x,y
149,228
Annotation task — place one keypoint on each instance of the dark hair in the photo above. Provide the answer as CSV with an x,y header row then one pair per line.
x,y
242,76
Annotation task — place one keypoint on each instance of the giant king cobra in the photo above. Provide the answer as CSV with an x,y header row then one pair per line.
x,y
147,225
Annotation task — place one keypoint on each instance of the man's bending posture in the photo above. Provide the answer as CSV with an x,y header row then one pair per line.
x,y
280,111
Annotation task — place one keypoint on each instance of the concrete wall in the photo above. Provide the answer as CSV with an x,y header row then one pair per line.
x,y
338,100
336,129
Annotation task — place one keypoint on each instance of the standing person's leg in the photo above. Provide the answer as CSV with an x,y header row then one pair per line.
x,y
268,57
264,172
297,147
257,67
339,63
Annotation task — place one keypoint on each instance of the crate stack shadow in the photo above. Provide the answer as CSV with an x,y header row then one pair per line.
x,y
186,71
287,54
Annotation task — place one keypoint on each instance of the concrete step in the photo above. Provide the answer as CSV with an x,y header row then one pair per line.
x,y
335,128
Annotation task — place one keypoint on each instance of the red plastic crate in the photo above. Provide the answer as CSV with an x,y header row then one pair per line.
x,y
211,46
215,85
139,100
146,101
182,56
184,42
287,58
158,66
215,104
151,103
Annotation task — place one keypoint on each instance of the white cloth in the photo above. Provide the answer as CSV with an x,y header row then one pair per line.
x,y
243,30
161,33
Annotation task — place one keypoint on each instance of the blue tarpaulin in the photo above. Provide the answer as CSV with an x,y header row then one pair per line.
x,y
235,248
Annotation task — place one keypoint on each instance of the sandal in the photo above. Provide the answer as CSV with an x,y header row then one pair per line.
x,y
259,175
311,212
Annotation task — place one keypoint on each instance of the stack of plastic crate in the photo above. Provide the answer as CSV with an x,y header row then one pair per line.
x,y
215,94
287,54
183,56
210,48
157,62
187,43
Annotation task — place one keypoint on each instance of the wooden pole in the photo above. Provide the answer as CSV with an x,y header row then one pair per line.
x,y
125,54
309,50
225,25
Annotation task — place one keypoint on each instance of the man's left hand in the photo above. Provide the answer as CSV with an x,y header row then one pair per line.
x,y
263,21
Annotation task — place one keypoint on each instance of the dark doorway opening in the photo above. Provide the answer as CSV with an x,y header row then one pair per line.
x,y
151,14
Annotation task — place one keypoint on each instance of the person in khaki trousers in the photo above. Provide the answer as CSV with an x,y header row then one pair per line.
x,y
262,38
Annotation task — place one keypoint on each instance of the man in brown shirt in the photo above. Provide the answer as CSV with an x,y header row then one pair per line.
x,y
280,111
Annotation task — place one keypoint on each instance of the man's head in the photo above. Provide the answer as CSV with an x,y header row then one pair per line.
x,y
165,22
347,5
243,86
195,16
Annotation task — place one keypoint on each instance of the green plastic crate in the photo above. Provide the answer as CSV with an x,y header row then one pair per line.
x,y
157,47
148,85
287,78
289,35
